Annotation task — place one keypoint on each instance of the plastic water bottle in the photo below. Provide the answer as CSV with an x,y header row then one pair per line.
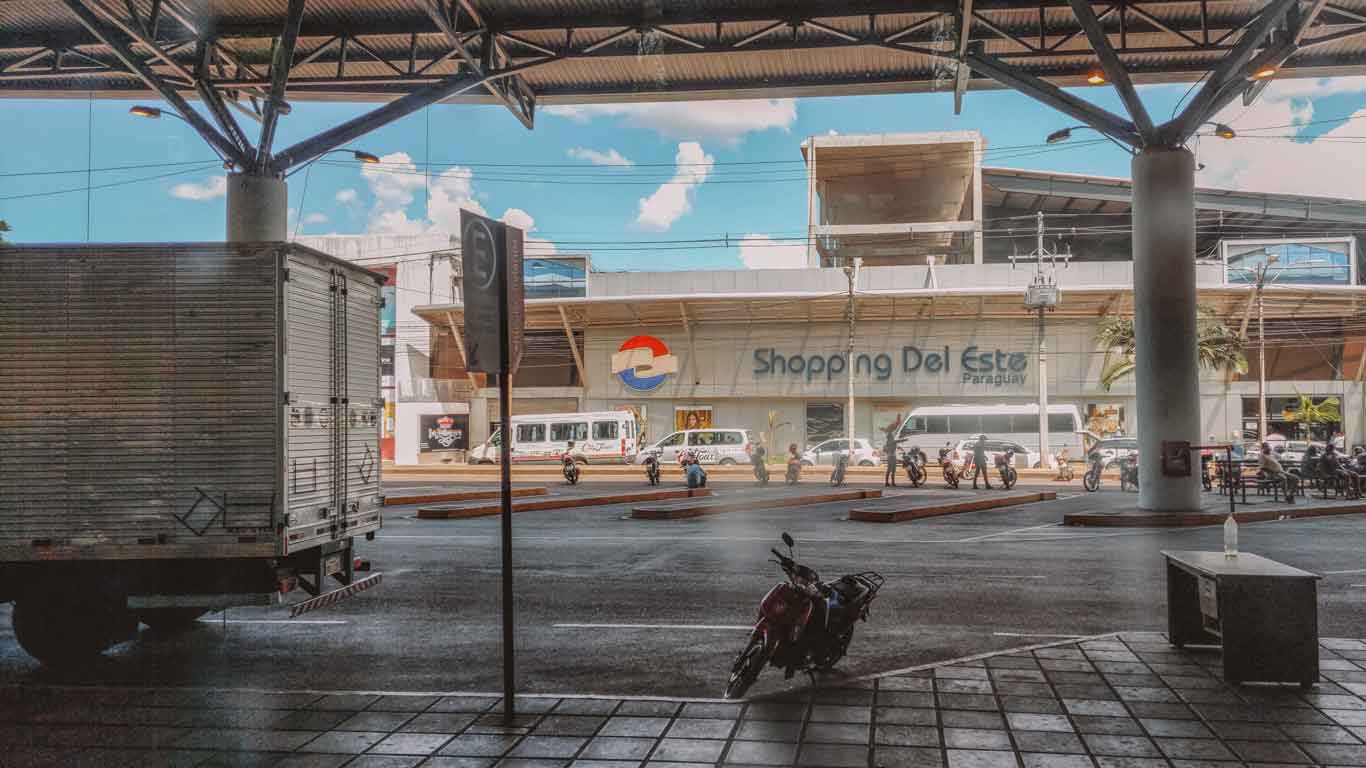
x,y
1230,537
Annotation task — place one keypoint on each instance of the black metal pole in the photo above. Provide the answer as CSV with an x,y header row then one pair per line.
x,y
505,472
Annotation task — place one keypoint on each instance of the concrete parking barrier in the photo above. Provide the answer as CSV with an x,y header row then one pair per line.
x,y
1138,519
452,496
912,511
684,511
557,502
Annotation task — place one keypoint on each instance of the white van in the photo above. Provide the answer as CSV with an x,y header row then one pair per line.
x,y
710,446
931,427
598,436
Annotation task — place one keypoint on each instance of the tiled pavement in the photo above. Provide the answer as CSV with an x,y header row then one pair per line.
x,y
1127,701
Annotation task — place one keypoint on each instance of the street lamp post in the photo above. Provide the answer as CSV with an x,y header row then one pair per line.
x,y
1261,346
1041,296
851,274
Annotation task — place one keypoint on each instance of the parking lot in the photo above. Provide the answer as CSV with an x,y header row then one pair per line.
x,y
611,605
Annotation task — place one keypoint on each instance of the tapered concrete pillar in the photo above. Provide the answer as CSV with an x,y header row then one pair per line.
x,y
258,208
1168,372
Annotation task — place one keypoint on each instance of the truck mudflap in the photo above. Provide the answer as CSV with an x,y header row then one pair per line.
x,y
328,599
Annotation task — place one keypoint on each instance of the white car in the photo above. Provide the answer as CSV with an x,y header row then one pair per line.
x,y
1023,458
710,446
827,452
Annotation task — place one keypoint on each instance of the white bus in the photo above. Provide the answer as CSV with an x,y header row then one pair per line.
x,y
931,427
597,436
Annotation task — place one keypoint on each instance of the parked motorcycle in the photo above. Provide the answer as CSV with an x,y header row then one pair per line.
x,y
1128,472
571,468
1064,469
652,469
760,461
837,474
804,624
951,476
1004,468
1091,480
914,463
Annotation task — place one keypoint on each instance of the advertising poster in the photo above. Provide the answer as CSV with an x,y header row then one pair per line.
x,y
388,315
692,417
444,432
1104,419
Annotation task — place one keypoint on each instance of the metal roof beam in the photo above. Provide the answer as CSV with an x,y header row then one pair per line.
x,y
213,100
280,64
135,65
512,91
1083,111
1114,68
1230,70
1306,19
960,83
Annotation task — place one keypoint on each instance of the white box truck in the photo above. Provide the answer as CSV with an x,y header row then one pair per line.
x,y
183,427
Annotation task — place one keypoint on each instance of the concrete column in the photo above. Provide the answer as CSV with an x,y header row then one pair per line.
x,y
258,208
1168,374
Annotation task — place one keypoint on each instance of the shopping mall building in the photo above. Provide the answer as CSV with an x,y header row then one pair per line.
x,y
947,247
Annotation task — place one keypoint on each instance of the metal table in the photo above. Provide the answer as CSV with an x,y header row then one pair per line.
x,y
1263,613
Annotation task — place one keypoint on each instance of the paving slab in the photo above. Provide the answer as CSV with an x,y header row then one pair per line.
x,y
1214,510
920,718
482,509
907,507
779,499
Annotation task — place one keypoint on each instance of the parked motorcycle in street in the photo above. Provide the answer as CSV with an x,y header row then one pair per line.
x,y
760,461
571,468
804,624
1128,471
1091,480
951,475
652,469
837,474
914,462
1004,468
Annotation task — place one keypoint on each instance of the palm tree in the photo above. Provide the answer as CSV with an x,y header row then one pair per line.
x,y
1309,413
1217,346
4,227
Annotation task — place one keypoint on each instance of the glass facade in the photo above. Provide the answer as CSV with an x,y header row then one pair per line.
x,y
555,278
1318,262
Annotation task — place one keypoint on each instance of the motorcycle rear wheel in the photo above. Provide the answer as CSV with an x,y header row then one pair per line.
x,y
916,475
1091,481
746,668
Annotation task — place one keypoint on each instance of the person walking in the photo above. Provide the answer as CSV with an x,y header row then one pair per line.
x,y
979,460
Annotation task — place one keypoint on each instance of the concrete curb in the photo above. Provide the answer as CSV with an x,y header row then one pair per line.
x,y
1120,520
952,508
461,513
432,498
700,510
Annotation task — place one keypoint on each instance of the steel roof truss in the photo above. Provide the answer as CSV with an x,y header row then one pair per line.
x,y
1114,68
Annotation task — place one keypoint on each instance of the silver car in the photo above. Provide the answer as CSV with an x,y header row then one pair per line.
x,y
827,452
710,446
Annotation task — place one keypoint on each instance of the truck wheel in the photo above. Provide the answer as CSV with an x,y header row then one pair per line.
x,y
61,632
168,620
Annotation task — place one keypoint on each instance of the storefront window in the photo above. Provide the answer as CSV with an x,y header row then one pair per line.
x,y
824,421
1290,263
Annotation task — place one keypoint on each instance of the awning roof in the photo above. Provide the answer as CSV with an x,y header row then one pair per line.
x,y
617,50
909,305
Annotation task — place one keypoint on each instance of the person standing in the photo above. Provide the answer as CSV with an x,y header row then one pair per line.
x,y
979,460
889,448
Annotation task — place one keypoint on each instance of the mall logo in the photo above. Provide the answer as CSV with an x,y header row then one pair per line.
x,y
643,363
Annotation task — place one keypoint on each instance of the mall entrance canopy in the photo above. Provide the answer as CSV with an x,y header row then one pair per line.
x,y
250,58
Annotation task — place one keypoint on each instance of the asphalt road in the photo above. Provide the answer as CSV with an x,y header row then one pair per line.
x,y
606,604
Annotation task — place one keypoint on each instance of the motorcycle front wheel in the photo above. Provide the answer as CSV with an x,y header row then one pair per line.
x,y
1008,478
1091,481
746,668
916,475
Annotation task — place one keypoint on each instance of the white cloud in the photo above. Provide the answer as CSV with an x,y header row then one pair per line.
x,y
673,199
763,252
451,191
347,196
1326,165
724,121
213,188
531,246
394,180
315,218
610,157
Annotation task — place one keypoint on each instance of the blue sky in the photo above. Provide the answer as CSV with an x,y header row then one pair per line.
x,y
569,181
